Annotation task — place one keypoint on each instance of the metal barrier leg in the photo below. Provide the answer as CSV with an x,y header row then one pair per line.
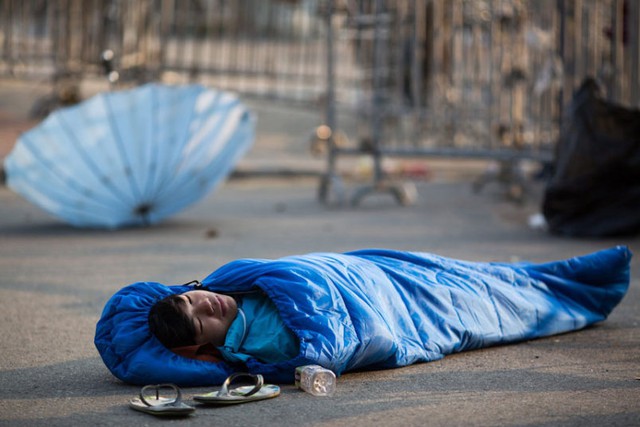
x,y
331,190
509,174
330,182
405,193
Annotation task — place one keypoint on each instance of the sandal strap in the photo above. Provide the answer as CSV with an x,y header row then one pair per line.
x,y
156,388
257,379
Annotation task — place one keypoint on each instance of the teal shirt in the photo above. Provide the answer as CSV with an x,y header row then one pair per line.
x,y
259,332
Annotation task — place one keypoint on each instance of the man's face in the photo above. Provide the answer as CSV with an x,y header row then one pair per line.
x,y
211,314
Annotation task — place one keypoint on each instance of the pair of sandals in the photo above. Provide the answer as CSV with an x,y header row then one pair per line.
x,y
151,401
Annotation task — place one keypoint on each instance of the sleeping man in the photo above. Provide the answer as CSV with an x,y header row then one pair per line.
x,y
231,327
368,309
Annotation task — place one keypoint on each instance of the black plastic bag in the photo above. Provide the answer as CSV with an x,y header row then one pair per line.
x,y
595,187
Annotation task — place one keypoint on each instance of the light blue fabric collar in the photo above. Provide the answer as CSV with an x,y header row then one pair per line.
x,y
258,332
237,333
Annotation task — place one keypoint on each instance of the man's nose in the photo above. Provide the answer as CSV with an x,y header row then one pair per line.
x,y
204,306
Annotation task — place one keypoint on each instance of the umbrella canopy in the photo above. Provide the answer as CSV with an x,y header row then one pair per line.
x,y
132,157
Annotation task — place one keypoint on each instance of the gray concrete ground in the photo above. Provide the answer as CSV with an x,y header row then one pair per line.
x,y
54,281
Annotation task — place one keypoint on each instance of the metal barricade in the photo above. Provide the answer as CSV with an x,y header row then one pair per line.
x,y
482,79
467,78
265,48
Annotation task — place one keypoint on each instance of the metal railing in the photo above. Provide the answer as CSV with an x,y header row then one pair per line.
x,y
476,79
423,78
265,48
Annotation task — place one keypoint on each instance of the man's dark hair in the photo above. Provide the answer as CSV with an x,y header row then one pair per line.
x,y
169,324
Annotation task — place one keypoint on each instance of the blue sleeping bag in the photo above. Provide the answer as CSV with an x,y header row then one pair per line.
x,y
374,309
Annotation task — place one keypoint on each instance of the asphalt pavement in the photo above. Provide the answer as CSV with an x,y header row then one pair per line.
x,y
55,279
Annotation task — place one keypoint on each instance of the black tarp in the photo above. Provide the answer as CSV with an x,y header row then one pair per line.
x,y
594,190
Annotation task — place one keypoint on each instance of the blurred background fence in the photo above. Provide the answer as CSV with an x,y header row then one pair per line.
x,y
452,78
269,48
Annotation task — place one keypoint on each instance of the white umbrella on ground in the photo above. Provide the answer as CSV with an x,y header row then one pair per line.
x,y
132,157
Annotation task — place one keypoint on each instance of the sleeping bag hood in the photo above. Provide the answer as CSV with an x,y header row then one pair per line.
x,y
373,309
